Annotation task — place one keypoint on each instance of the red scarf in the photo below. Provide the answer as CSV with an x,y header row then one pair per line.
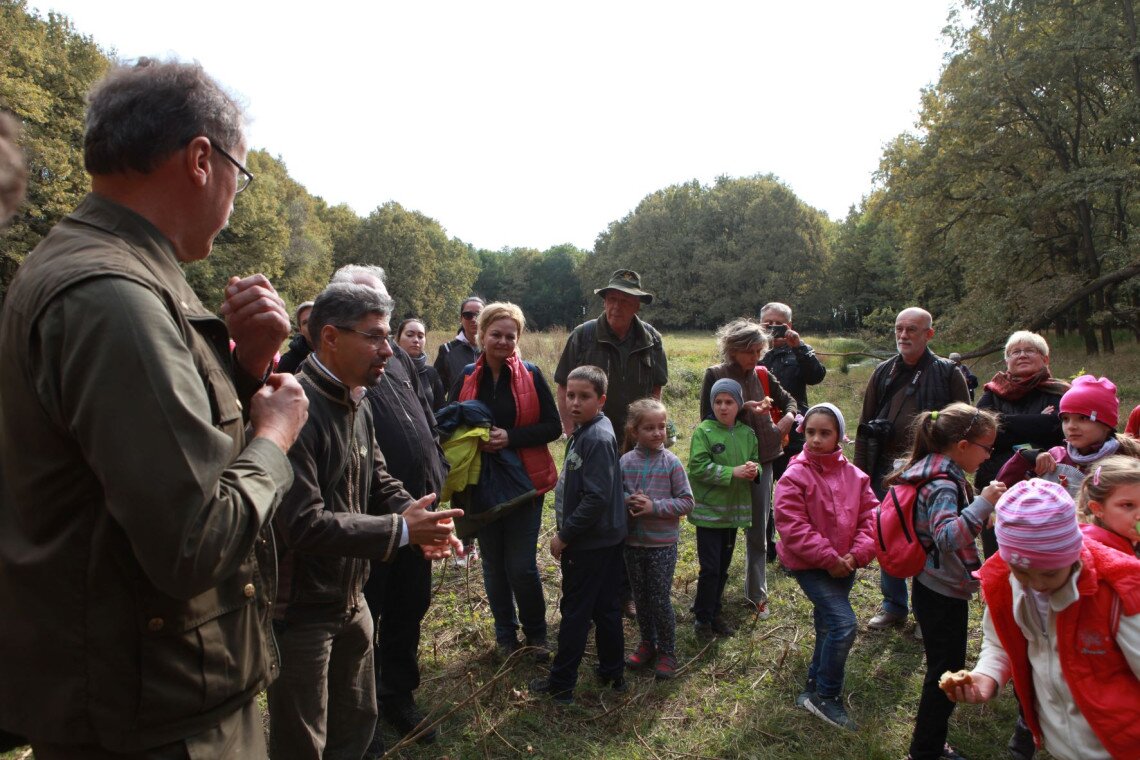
x,y
1014,388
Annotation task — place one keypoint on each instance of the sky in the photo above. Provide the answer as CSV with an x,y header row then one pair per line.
x,y
531,124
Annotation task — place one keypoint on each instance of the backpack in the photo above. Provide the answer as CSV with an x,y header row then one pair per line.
x,y
898,548
777,415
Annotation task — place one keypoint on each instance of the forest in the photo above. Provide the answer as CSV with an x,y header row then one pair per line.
x,y
1011,204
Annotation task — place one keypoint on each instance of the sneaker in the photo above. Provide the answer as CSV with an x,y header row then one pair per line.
x,y
762,611
721,627
830,709
539,650
917,632
703,630
809,690
543,686
884,619
629,609
949,753
665,668
641,657
406,718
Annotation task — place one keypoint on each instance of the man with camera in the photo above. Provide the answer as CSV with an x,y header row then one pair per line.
x,y
795,366
913,381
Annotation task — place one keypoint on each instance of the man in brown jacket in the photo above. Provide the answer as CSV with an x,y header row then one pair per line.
x,y
343,510
136,570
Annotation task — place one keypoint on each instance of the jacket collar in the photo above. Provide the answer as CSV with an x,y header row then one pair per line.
x,y
149,245
822,462
327,384
637,333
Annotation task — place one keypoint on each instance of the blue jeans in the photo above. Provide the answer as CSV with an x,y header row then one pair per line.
x,y
894,593
835,627
507,549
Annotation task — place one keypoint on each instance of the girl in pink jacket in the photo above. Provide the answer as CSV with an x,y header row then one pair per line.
x,y
824,509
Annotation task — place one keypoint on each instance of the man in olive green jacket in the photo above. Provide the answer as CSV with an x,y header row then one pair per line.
x,y
136,568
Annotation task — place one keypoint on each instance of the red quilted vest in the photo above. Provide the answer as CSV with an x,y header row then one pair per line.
x,y
1103,686
537,461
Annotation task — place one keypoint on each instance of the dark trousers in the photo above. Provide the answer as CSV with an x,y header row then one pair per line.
x,y
943,620
651,571
779,464
507,548
714,554
589,593
398,593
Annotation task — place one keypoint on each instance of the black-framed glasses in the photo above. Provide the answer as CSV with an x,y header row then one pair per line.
x,y
989,449
374,339
246,177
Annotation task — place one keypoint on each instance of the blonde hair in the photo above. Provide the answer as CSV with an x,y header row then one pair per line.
x,y
1106,476
738,335
493,312
1024,336
936,431
638,411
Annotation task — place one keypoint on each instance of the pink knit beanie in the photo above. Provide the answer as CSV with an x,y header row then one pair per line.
x,y
1037,526
1094,397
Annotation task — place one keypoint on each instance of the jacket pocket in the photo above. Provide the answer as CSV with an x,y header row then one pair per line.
x,y
197,654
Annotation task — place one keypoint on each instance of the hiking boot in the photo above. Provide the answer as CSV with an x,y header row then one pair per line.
x,y
1021,746
543,686
809,690
641,657
884,619
539,651
830,709
406,718
703,630
949,753
721,627
665,668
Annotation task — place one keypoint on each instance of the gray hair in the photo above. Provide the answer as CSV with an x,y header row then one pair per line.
x,y
299,309
782,309
138,115
1024,336
739,335
344,304
355,272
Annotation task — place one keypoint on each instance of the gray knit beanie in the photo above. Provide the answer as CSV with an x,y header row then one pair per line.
x,y
729,386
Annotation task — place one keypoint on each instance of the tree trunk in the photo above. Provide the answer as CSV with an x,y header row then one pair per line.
x,y
1084,326
1134,59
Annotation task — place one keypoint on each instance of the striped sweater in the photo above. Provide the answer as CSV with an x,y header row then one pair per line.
x,y
661,476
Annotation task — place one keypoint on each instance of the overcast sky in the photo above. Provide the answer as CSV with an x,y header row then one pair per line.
x,y
536,123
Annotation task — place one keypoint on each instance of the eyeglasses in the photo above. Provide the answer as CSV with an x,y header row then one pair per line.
x,y
374,339
989,449
469,314
245,178
1022,352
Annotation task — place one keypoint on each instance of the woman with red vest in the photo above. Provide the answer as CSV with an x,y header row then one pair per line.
x,y
525,419
1063,620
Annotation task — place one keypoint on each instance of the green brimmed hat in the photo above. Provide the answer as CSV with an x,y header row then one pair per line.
x,y
627,281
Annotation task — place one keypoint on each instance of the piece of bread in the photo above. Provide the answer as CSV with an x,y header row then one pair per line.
x,y
949,680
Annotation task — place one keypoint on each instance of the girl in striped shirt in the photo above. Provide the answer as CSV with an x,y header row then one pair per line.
x,y
658,495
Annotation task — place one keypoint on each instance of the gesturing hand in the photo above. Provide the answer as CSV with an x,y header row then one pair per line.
x,y
278,411
257,321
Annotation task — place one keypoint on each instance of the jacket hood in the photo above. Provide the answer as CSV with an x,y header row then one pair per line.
x,y
823,462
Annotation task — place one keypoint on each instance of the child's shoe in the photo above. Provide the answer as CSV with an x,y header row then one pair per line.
x,y
543,686
762,611
665,668
721,627
809,690
641,657
830,709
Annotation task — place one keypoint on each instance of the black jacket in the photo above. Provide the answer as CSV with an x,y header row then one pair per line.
x,y
796,369
405,427
1021,422
453,356
299,348
593,503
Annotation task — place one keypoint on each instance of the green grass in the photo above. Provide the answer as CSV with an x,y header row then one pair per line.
x,y
734,697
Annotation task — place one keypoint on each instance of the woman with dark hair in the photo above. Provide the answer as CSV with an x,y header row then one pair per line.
x,y
461,350
1026,398
411,336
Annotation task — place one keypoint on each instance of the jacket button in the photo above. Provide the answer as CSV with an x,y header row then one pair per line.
x,y
249,591
155,624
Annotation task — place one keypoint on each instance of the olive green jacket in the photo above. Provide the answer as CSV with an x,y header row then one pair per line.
x,y
136,570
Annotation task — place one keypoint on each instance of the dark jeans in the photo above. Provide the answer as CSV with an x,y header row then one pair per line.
x,y
835,627
943,620
650,570
714,554
324,703
589,593
398,593
508,550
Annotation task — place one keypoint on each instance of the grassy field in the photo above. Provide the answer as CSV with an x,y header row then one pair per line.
x,y
734,697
